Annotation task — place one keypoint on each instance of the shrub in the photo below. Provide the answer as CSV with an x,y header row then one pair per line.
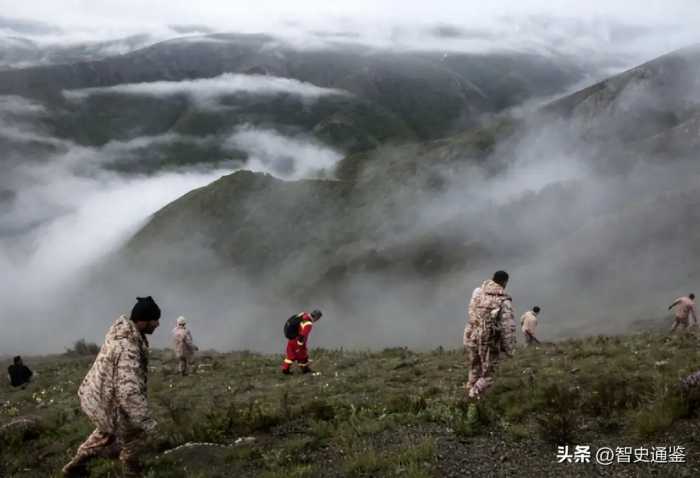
x,y
81,347
366,462
557,422
319,409
660,414
612,392
402,404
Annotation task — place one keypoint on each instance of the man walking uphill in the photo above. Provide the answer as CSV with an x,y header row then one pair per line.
x,y
184,346
685,307
491,332
528,323
297,330
113,393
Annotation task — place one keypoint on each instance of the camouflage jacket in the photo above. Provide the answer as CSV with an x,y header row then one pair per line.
x,y
182,341
113,393
491,319
685,307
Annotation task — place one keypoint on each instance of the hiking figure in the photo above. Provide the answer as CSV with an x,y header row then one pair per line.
x,y
113,394
18,373
297,330
685,307
491,332
183,344
528,324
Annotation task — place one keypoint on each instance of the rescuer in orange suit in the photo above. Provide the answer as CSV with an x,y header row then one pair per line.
x,y
297,350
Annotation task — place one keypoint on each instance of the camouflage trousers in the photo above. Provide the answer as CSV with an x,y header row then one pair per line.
x,y
481,362
182,365
127,446
683,323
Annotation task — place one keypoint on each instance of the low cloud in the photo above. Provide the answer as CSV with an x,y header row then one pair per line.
x,y
55,229
283,156
594,32
206,91
62,214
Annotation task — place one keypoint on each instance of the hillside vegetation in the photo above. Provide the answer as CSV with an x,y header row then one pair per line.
x,y
388,413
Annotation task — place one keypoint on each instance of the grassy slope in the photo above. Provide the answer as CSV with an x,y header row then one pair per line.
x,y
388,413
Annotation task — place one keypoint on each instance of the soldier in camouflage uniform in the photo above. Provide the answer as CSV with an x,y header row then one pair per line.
x,y
184,346
113,393
490,332
685,308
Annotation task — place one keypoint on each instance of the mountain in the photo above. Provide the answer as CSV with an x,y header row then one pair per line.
x,y
655,106
431,93
434,213
369,180
19,52
263,219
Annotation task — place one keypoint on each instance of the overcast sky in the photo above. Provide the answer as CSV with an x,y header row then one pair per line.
x,y
640,29
225,13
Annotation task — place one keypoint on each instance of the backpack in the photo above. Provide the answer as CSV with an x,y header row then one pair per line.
x,y
291,327
491,320
494,325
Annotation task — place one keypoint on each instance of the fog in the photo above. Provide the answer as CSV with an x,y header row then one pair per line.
x,y
59,216
599,31
62,214
562,228
600,234
598,251
601,253
283,156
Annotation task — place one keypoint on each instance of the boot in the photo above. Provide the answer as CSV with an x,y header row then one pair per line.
x,y
76,468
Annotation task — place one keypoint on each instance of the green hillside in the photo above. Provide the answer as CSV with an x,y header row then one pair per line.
x,y
389,413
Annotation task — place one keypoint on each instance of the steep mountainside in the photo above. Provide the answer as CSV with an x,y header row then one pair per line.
x,y
17,52
462,205
432,93
653,106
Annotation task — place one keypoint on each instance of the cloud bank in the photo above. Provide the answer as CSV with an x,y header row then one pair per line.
x,y
602,29
206,91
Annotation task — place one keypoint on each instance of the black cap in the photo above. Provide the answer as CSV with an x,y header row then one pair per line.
x,y
145,309
500,277
316,314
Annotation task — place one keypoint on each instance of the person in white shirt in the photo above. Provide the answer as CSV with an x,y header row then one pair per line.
x,y
528,322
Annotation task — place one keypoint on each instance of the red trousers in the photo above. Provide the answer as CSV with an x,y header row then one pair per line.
x,y
295,353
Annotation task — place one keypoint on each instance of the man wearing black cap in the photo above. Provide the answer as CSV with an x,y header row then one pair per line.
x,y
113,393
490,334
